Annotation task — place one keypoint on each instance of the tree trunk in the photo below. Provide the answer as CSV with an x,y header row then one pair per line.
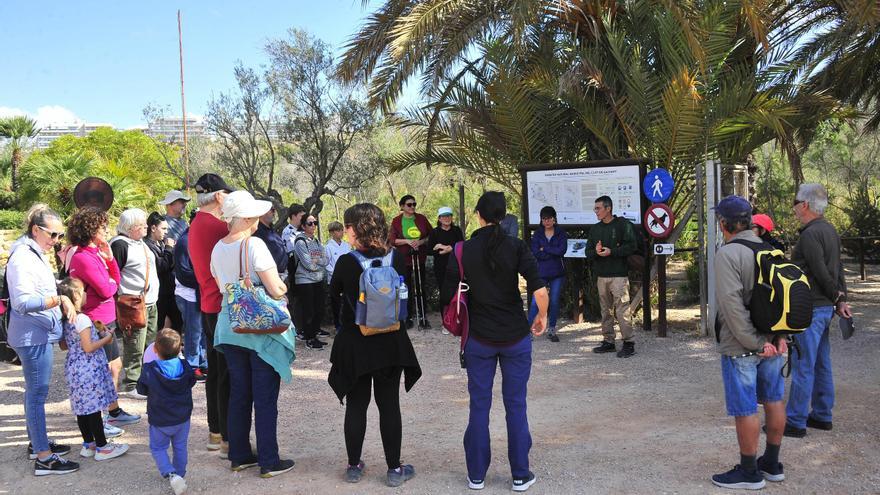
x,y
13,167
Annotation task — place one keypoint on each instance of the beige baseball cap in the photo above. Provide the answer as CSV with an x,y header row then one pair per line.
x,y
173,196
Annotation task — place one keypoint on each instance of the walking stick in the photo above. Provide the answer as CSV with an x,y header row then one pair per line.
x,y
417,289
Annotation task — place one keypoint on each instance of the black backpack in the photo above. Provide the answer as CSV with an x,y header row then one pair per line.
x,y
635,261
293,260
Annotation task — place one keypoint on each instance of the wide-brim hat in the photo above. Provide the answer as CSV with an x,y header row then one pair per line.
x,y
93,191
173,196
240,204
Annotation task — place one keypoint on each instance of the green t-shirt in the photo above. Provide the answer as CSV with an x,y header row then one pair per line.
x,y
410,230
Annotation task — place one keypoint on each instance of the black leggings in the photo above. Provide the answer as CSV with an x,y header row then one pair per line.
x,y
92,428
386,383
310,298
414,307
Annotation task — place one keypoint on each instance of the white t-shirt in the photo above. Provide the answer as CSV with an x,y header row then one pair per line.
x,y
227,261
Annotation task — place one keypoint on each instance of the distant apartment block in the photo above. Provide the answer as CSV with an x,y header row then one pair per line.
x,y
170,129
51,133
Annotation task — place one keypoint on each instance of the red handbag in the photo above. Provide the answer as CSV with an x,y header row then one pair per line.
x,y
455,314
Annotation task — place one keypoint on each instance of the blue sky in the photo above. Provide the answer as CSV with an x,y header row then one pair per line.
x,y
103,61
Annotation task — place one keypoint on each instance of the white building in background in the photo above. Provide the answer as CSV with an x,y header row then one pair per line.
x,y
170,129
53,132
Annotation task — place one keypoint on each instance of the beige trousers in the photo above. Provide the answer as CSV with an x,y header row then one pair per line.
x,y
614,300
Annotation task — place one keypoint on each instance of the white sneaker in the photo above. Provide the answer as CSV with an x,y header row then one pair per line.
x,y
476,484
110,451
87,450
178,484
111,431
444,331
133,394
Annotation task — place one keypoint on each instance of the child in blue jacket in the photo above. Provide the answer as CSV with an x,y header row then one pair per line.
x,y
549,244
167,382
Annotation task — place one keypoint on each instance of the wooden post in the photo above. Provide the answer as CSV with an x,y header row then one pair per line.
x,y
862,270
661,296
462,218
646,289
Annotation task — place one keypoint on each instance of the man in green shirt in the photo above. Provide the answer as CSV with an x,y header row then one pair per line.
x,y
610,241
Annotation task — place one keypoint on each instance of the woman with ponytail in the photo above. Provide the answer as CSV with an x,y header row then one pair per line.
x,y
358,362
498,334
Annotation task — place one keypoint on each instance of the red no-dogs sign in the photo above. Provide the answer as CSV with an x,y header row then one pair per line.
x,y
659,220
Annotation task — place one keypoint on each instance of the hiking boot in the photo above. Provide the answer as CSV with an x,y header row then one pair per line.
x,y
315,344
604,347
124,418
111,431
397,477
54,465
54,447
282,467
110,451
476,484
200,376
628,349
739,479
251,461
819,425
178,484
523,484
770,472
214,441
353,474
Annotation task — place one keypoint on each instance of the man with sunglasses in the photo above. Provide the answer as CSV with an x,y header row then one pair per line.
x,y
408,234
817,252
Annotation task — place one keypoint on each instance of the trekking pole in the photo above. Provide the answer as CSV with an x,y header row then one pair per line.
x,y
420,294
414,293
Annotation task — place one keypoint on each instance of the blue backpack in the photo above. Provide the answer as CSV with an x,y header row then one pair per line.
x,y
379,306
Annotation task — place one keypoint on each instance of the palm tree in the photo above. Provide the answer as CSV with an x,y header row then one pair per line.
x,y
17,129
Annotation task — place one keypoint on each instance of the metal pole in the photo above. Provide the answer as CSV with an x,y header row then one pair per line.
x,y
701,249
646,289
461,216
862,270
661,296
183,102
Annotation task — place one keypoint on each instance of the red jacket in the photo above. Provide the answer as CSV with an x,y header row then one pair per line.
x,y
406,251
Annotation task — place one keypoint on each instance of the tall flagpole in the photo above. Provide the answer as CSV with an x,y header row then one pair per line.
x,y
183,103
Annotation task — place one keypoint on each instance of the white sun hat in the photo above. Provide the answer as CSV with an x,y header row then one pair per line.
x,y
240,204
444,210
173,196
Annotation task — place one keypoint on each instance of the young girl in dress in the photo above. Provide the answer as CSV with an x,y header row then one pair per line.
x,y
88,377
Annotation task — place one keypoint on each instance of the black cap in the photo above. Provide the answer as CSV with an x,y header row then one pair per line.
x,y
209,183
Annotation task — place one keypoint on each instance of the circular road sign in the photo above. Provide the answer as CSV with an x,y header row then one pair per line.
x,y
658,185
659,220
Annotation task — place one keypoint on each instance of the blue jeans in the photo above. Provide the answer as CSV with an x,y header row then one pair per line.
x,y
811,382
36,366
253,385
750,380
516,365
555,285
194,342
176,436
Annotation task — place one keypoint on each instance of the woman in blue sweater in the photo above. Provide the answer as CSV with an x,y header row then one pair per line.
x,y
548,246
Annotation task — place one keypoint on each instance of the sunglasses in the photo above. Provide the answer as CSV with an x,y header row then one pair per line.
x,y
53,235
311,224
410,205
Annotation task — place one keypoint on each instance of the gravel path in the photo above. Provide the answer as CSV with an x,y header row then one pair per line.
x,y
654,423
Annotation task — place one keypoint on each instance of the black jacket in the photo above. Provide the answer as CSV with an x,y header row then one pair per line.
x,y
183,269
164,266
495,304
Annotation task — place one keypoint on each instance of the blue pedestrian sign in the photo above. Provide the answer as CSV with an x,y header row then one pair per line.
x,y
658,185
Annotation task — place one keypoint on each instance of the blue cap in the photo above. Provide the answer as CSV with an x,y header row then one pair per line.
x,y
733,208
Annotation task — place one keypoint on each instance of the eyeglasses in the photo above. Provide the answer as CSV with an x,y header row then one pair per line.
x,y
797,202
53,235
311,224
410,205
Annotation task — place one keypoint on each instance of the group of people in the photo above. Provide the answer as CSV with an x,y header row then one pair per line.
x,y
180,276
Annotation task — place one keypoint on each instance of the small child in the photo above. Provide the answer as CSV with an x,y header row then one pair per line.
x,y
167,382
88,376
335,248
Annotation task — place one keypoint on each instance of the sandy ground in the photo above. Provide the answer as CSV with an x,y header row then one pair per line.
x,y
654,423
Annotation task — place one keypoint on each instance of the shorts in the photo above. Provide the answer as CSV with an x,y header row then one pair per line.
x,y
750,380
111,349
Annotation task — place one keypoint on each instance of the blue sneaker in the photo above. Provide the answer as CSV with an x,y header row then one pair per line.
x,y
123,418
397,477
739,479
769,472
353,474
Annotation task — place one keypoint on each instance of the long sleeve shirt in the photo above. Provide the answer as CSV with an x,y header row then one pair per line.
x,y
734,280
617,235
101,280
275,244
205,231
30,280
334,250
549,253
312,260
817,252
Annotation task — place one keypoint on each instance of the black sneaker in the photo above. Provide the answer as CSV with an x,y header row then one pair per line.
x,y
54,465
628,349
794,432
424,324
353,474
323,333
738,479
523,484
300,336
409,323
553,337
54,447
315,344
247,463
769,472
819,425
604,347
283,466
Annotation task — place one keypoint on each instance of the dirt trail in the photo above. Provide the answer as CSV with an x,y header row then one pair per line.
x,y
654,423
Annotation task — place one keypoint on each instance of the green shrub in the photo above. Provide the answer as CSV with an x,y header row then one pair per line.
x,y
11,219
8,199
